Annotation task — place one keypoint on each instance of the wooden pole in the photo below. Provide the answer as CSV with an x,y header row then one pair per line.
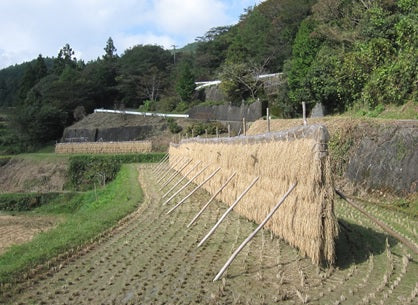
x,y
175,174
304,112
210,200
247,240
178,160
184,186
184,177
194,190
268,120
384,226
244,127
206,133
229,130
227,212
217,132
159,164
162,168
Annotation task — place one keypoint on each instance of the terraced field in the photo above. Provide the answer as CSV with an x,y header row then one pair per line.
x,y
153,259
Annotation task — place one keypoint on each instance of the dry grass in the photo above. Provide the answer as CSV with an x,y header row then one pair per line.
x,y
104,147
306,220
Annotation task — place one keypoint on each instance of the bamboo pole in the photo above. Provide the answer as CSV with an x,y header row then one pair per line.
x,y
184,186
184,177
381,224
159,163
227,212
244,126
163,170
162,167
304,112
175,163
194,190
176,173
248,239
229,130
211,199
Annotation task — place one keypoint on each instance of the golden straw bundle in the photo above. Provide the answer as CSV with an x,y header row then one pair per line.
x,y
306,220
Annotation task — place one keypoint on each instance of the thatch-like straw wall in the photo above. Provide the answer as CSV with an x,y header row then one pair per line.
x,y
306,220
104,147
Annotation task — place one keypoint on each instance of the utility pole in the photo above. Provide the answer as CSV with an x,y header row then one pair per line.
x,y
174,52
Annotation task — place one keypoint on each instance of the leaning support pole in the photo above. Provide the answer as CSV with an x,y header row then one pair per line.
x,y
211,199
162,167
184,186
169,170
176,173
194,190
159,163
180,180
247,240
227,212
384,226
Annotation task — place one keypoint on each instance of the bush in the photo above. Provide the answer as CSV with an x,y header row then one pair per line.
x,y
87,170
24,202
200,128
173,126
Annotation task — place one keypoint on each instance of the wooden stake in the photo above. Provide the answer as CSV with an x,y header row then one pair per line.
x,y
178,160
304,112
227,212
247,240
195,189
229,130
175,174
210,200
217,132
268,120
244,127
184,186
384,226
184,177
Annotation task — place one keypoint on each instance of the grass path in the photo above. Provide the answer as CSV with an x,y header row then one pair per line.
x,y
152,259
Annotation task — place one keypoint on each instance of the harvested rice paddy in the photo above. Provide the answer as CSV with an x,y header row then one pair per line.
x,y
152,259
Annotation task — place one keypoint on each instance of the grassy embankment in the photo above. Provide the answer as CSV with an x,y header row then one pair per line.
x,y
84,215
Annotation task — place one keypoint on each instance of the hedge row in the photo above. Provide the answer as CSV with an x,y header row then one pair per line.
x,y
85,171
24,202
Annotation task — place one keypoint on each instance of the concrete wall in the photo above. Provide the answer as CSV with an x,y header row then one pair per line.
x,y
251,112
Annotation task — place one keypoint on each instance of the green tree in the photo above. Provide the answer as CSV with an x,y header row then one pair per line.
x,y
110,50
185,84
65,58
305,48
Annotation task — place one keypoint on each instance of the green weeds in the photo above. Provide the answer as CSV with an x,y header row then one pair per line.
x,y
88,214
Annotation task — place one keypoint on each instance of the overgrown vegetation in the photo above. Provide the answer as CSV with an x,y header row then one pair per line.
x,y
88,171
200,128
86,215
349,55
26,202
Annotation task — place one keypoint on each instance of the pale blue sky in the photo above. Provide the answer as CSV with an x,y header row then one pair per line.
x,y
32,27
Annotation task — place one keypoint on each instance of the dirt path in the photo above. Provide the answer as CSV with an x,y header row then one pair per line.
x,y
153,259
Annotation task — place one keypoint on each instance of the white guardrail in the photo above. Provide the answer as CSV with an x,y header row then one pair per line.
x,y
165,115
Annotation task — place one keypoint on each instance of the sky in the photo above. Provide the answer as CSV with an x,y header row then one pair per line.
x,y
32,27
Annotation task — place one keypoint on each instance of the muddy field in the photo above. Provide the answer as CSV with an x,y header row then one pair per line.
x,y
153,259
19,229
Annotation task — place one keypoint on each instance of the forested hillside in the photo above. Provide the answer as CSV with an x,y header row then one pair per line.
x,y
357,54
